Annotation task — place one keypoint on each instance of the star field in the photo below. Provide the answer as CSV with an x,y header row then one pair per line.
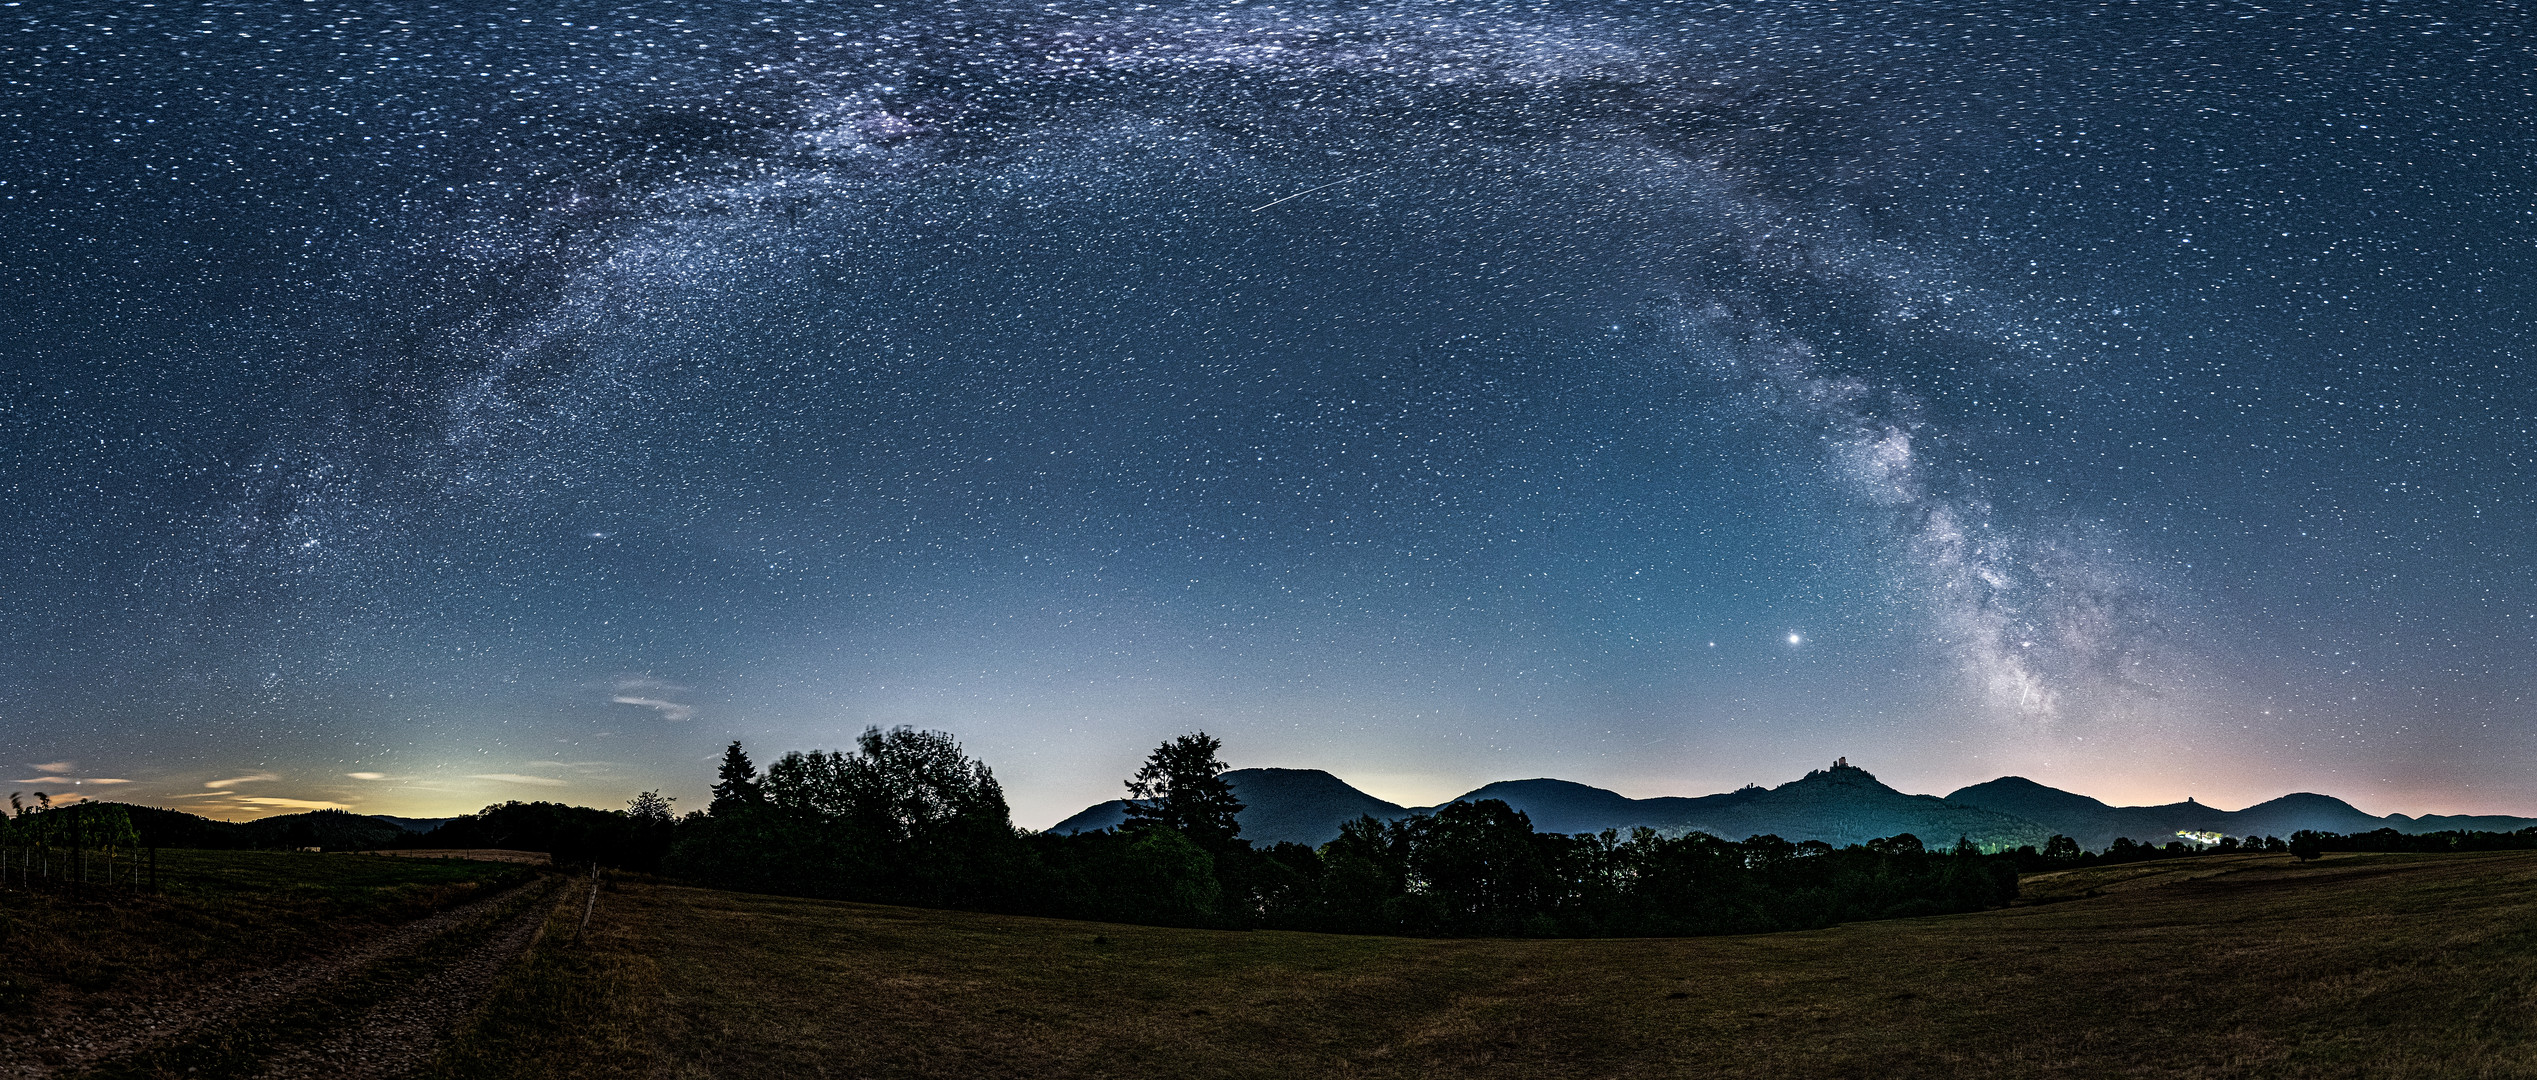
x,y
418,405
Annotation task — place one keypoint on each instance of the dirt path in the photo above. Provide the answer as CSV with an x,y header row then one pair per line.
x,y
85,1042
398,1034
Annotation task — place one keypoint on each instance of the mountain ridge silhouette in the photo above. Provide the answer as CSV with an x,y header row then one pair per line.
x,y
1842,804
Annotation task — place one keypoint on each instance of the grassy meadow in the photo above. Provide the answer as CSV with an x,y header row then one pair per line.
x,y
2225,966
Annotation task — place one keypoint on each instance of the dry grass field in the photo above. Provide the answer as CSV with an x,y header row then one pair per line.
x,y
2252,966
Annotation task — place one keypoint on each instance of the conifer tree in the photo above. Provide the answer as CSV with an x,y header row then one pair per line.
x,y
1182,788
736,787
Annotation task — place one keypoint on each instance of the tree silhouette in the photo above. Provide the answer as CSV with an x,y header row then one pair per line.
x,y
904,817
1484,866
1182,788
912,786
736,787
650,808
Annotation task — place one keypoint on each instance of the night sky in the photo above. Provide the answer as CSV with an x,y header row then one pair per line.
x,y
415,406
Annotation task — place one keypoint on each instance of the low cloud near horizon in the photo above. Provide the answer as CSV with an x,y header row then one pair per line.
x,y
669,710
254,778
518,778
651,693
279,803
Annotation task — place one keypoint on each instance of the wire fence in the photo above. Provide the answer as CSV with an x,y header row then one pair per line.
x,y
33,866
74,848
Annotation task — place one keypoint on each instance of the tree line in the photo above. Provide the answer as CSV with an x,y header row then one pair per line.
x,y
158,827
634,838
2308,845
906,817
2064,853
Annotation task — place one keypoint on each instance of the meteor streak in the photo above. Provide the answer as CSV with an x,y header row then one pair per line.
x,y
1310,190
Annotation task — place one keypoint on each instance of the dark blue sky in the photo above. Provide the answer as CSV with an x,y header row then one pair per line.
x,y
412,406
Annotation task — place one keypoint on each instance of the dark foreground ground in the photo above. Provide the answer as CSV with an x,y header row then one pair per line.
x,y
2374,965
257,964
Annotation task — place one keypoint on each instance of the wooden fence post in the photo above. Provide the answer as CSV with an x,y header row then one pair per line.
x,y
591,904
